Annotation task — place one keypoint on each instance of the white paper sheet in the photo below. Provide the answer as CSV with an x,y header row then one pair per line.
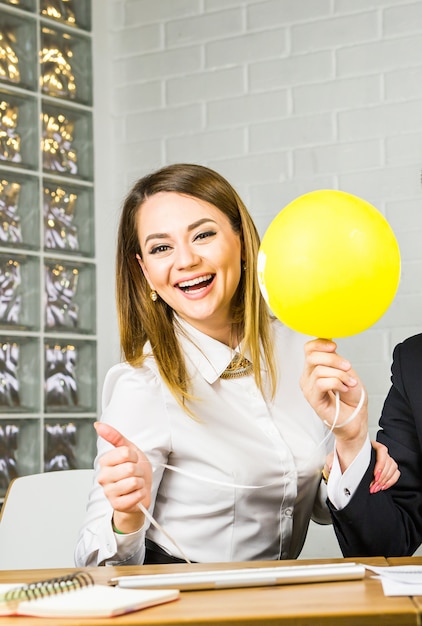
x,y
400,580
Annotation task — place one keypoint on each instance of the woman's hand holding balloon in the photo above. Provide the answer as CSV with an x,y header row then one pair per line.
x,y
125,475
325,374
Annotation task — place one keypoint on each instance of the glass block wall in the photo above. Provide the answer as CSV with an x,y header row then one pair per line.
x,y
47,257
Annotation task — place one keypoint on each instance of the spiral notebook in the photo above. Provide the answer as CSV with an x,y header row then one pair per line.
x,y
77,595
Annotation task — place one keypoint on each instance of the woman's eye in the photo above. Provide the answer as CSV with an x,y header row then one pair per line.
x,y
206,234
161,248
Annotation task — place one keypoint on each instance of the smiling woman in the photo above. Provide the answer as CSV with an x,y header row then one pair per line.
x,y
186,223
210,393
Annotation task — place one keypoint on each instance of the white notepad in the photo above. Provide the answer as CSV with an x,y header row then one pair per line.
x,y
91,601
244,577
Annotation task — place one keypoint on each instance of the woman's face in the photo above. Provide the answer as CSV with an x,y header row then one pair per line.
x,y
192,257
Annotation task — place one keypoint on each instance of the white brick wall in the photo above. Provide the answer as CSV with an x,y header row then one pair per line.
x,y
282,97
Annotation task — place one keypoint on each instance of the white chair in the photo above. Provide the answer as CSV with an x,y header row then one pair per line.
x,y
41,517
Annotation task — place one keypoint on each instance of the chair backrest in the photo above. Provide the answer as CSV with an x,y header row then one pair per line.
x,y
41,517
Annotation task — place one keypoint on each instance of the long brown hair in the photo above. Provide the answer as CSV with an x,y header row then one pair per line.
x,y
141,319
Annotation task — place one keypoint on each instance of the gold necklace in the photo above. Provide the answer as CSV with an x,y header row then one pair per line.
x,y
237,368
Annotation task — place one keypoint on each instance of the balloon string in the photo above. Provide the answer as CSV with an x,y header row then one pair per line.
x,y
204,479
213,481
160,528
337,413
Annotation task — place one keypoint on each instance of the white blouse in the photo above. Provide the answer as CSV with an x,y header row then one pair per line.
x,y
249,468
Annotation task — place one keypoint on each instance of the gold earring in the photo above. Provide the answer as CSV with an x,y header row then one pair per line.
x,y
153,295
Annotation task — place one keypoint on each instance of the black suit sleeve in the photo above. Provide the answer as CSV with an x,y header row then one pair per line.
x,y
389,523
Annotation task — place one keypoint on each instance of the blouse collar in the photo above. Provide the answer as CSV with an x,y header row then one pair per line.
x,y
209,356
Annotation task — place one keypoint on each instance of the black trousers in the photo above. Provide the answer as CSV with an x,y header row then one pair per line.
x,y
156,555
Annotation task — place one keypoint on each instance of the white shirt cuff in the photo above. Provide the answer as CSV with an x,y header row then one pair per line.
x,y
341,487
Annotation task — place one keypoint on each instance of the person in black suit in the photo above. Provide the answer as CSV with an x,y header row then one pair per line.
x,y
389,522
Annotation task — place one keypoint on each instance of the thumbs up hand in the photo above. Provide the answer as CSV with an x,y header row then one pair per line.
x,y
125,476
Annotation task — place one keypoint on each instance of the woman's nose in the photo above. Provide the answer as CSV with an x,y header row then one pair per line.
x,y
187,257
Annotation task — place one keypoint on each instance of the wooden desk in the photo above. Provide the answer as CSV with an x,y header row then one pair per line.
x,y
345,603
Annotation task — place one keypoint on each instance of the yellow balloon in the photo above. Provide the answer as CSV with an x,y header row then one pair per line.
x,y
329,264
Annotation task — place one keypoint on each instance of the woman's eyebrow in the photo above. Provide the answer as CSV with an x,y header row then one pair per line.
x,y
156,236
204,220
200,222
